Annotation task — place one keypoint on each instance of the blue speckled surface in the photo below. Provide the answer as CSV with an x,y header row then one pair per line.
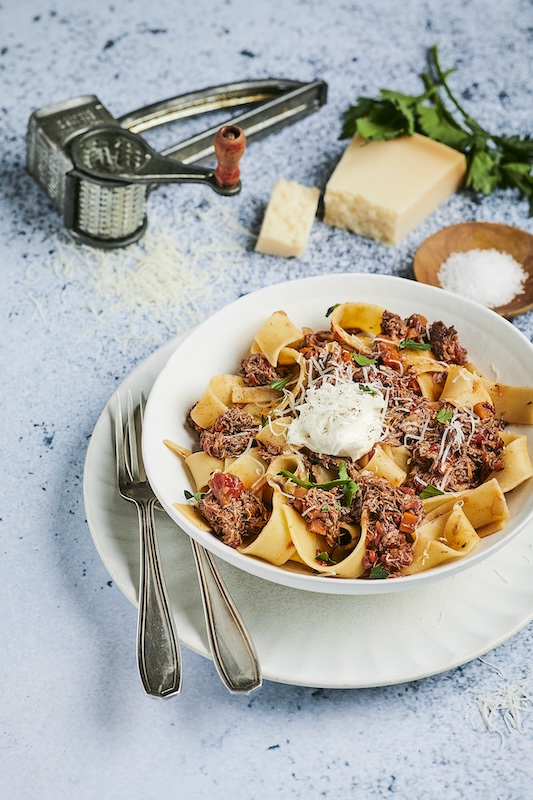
x,y
74,720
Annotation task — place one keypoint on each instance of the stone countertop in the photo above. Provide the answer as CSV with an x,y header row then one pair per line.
x,y
75,722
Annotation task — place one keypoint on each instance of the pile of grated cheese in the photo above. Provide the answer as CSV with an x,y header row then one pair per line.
x,y
502,711
490,277
175,273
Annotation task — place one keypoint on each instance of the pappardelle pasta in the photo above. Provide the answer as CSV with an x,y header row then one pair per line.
x,y
371,449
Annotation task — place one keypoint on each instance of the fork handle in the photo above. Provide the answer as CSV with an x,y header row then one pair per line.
x,y
232,649
158,652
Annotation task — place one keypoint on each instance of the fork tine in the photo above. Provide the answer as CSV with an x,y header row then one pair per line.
x,y
119,442
132,440
139,429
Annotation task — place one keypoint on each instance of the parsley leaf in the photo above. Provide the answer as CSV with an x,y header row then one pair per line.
x,y
325,558
444,415
331,309
280,383
194,496
378,573
368,389
362,360
349,487
412,345
429,491
493,161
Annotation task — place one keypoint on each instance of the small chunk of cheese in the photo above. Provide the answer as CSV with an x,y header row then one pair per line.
x,y
288,219
385,189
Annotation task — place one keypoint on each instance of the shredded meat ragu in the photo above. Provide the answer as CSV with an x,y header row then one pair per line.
x,y
232,511
258,371
383,508
231,434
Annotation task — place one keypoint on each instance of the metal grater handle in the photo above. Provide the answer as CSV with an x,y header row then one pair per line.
x,y
289,101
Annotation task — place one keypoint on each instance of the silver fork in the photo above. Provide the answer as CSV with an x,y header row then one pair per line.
x,y
158,652
232,649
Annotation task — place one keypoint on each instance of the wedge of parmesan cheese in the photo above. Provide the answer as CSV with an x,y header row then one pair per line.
x,y
385,189
288,219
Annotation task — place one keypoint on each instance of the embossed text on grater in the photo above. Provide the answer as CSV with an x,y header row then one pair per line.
x,y
49,131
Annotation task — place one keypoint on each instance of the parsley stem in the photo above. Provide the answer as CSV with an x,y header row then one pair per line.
x,y
471,122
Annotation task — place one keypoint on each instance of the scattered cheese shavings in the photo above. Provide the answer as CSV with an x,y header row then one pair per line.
x,y
502,711
38,307
173,273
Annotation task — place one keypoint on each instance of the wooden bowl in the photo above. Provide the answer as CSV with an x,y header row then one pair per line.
x,y
479,236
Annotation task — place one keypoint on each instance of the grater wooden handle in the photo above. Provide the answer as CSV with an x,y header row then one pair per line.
x,y
230,143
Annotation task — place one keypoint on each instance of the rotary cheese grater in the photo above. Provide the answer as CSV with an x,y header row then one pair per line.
x,y
98,171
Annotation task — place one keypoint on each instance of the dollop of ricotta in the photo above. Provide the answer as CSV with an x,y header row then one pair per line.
x,y
339,419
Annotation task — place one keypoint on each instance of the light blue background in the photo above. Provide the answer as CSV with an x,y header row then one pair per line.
x,y
75,723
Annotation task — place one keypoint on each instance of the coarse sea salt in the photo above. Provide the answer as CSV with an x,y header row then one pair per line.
x,y
490,277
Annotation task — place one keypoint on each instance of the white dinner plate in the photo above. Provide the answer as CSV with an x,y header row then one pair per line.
x,y
220,342
305,638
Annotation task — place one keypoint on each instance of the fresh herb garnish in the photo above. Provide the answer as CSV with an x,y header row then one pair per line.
x,y
196,496
280,383
444,416
368,389
349,487
412,345
264,420
331,309
430,491
378,573
492,161
325,558
362,360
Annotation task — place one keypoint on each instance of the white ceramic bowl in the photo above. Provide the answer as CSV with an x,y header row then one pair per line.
x,y
219,343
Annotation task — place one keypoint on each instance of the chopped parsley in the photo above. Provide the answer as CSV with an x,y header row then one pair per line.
x,y
444,416
194,496
429,491
368,389
378,573
331,309
280,383
362,360
412,345
325,558
349,487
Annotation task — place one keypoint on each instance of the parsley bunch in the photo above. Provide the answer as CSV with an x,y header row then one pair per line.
x,y
493,161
